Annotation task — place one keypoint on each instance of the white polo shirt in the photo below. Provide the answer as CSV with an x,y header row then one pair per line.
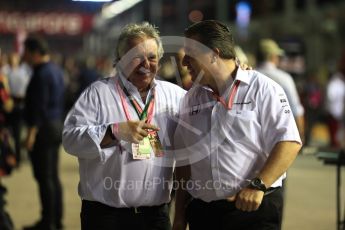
x,y
111,175
227,148
335,96
286,81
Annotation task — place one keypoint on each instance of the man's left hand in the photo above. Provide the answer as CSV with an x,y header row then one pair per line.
x,y
31,138
249,199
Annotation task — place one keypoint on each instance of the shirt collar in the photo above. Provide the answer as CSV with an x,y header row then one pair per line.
x,y
242,76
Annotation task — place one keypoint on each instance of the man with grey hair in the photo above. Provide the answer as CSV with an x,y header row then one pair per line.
x,y
120,129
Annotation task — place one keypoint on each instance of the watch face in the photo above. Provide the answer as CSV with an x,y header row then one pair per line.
x,y
257,182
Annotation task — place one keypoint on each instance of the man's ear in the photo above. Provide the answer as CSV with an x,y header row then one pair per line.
x,y
216,52
215,55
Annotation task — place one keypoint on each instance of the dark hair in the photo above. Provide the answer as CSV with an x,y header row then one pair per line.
x,y
214,34
36,44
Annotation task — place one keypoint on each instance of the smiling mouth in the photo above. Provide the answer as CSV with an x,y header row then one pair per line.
x,y
191,71
143,71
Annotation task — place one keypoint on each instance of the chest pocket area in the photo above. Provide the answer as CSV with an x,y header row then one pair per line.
x,y
240,125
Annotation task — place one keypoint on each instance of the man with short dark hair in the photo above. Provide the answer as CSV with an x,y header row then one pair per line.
x,y
44,111
245,141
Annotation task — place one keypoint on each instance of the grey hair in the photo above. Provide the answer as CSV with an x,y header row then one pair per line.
x,y
141,30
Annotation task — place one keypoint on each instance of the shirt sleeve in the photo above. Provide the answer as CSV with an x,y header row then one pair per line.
x,y
291,92
83,132
277,121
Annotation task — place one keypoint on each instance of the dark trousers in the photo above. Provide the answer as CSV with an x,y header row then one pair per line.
x,y
44,159
223,215
15,120
95,215
333,127
5,219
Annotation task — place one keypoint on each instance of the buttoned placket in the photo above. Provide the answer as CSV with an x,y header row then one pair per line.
x,y
133,91
216,140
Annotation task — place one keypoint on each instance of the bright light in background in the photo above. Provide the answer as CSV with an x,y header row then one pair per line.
x,y
91,0
118,7
243,11
195,16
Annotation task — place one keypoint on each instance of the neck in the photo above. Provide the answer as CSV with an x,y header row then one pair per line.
x,y
274,60
42,59
226,75
143,95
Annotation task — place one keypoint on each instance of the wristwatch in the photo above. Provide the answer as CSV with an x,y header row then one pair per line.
x,y
257,184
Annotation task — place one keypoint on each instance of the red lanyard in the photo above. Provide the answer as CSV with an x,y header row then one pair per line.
x,y
231,96
142,114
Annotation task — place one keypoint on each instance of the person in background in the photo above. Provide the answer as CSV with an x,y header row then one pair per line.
x,y
7,155
43,113
18,77
335,101
87,74
186,79
269,57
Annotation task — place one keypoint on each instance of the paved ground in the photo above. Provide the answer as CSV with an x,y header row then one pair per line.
x,y
310,194
22,197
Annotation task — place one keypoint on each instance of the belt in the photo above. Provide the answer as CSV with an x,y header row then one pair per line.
x,y
145,209
135,210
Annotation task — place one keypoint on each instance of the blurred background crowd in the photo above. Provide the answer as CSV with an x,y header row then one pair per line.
x,y
307,35
82,36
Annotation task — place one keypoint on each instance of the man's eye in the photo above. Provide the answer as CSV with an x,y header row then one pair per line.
x,y
152,57
137,58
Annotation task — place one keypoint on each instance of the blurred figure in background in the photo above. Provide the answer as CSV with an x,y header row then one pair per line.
x,y
18,77
313,100
87,74
186,78
335,99
71,73
44,111
3,63
7,156
269,57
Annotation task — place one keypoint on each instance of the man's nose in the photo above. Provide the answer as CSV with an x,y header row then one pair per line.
x,y
145,62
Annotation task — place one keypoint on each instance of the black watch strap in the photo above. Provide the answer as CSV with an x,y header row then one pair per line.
x,y
257,184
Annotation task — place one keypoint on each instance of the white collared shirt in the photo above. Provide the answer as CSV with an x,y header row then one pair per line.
x,y
227,148
335,96
286,81
110,175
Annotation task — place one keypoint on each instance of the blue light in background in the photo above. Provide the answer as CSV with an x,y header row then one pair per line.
x,y
243,11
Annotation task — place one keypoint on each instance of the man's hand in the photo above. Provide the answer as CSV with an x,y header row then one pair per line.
x,y
134,131
248,199
31,138
179,224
